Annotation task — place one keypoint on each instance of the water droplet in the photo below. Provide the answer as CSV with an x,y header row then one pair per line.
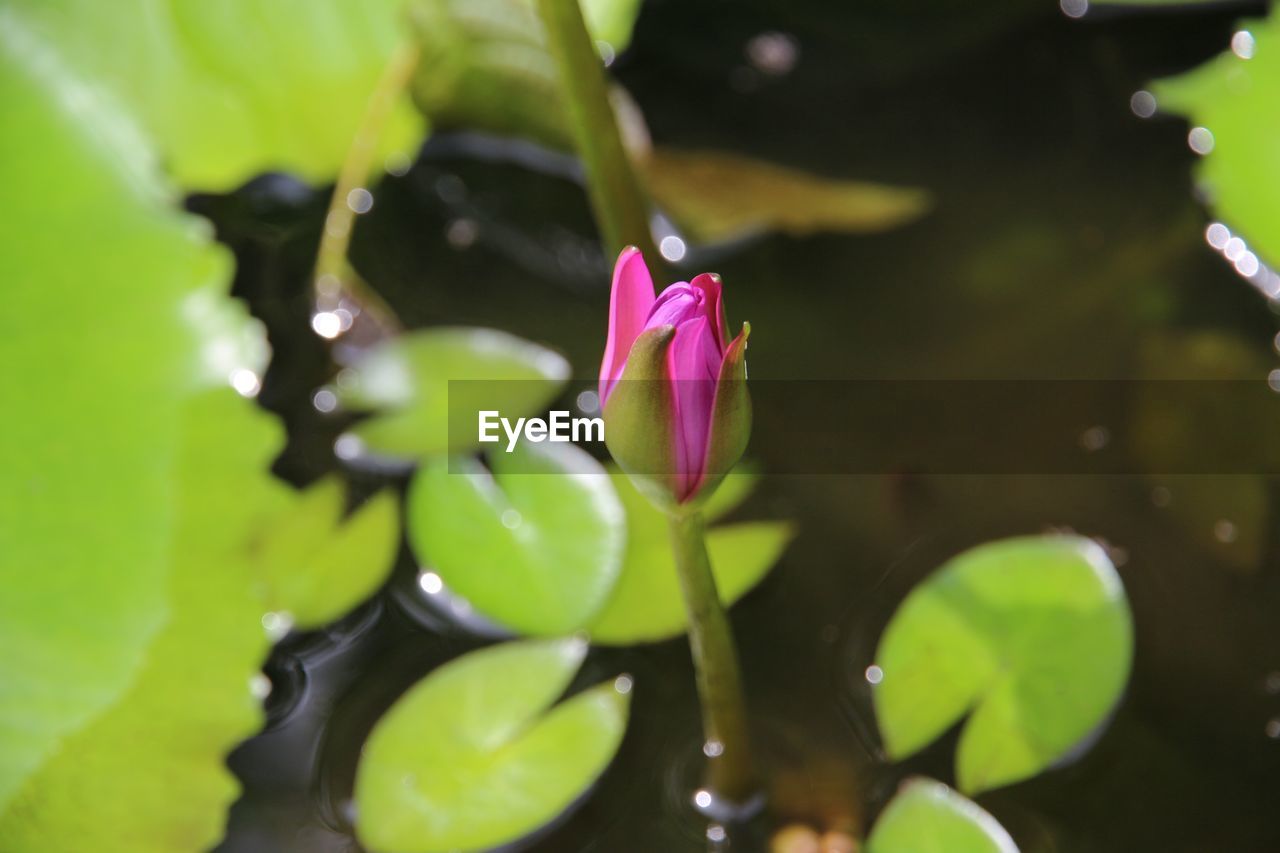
x,y
1074,8
672,248
1234,248
326,324
360,200
1200,140
462,233
348,447
713,749
1217,235
874,674
702,798
588,402
511,519
1273,728
245,382
1242,44
1271,683
259,686
623,684
716,833
1273,380
1224,531
1143,104
276,624
606,51
431,583
324,400
773,53
397,164
1095,438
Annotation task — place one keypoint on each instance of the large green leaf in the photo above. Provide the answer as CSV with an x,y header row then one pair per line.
x,y
1031,637
471,757
1235,99
929,817
92,407
162,742
427,387
646,605
535,544
236,87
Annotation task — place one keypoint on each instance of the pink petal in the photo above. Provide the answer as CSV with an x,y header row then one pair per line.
x,y
693,364
630,300
709,284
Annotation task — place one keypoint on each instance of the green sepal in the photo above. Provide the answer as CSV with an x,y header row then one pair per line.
x,y
730,420
639,419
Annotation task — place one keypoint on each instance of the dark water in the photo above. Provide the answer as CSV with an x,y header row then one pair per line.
x,y
1064,243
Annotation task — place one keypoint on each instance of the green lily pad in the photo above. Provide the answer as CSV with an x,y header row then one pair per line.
x,y
646,605
474,756
229,89
534,544
1030,637
929,817
319,565
715,196
427,386
1234,98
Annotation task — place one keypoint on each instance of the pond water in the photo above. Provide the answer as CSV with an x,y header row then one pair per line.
x,y
1064,242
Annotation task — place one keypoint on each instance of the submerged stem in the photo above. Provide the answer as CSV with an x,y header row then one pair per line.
x,y
331,272
731,772
620,206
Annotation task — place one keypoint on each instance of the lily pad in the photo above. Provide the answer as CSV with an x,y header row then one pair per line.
x,y
646,605
714,196
929,817
1030,637
534,543
427,386
229,89
319,565
474,756
1234,99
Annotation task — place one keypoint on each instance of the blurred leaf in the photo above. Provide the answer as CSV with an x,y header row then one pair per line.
x,y
407,381
232,88
929,817
716,196
93,405
162,741
471,758
484,64
1235,98
1030,637
536,545
319,565
646,605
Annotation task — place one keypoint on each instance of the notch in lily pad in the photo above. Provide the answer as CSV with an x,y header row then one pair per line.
x,y
475,755
1030,638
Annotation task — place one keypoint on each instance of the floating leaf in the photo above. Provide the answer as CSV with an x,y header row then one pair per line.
x,y
1235,98
407,380
715,196
471,757
230,89
929,817
535,545
318,565
646,605
1031,637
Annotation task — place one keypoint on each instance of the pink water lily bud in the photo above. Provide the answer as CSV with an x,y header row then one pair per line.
x,y
672,384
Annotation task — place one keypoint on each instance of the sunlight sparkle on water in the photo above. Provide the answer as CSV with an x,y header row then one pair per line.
x,y
430,583
1200,139
326,324
672,248
874,674
716,833
1143,104
245,382
1242,44
712,748
623,684
702,798
360,200
324,401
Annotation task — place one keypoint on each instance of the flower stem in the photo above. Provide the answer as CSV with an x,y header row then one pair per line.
x,y
731,773
617,199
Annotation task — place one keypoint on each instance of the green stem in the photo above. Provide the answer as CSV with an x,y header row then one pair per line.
x,y
731,773
620,206
333,279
